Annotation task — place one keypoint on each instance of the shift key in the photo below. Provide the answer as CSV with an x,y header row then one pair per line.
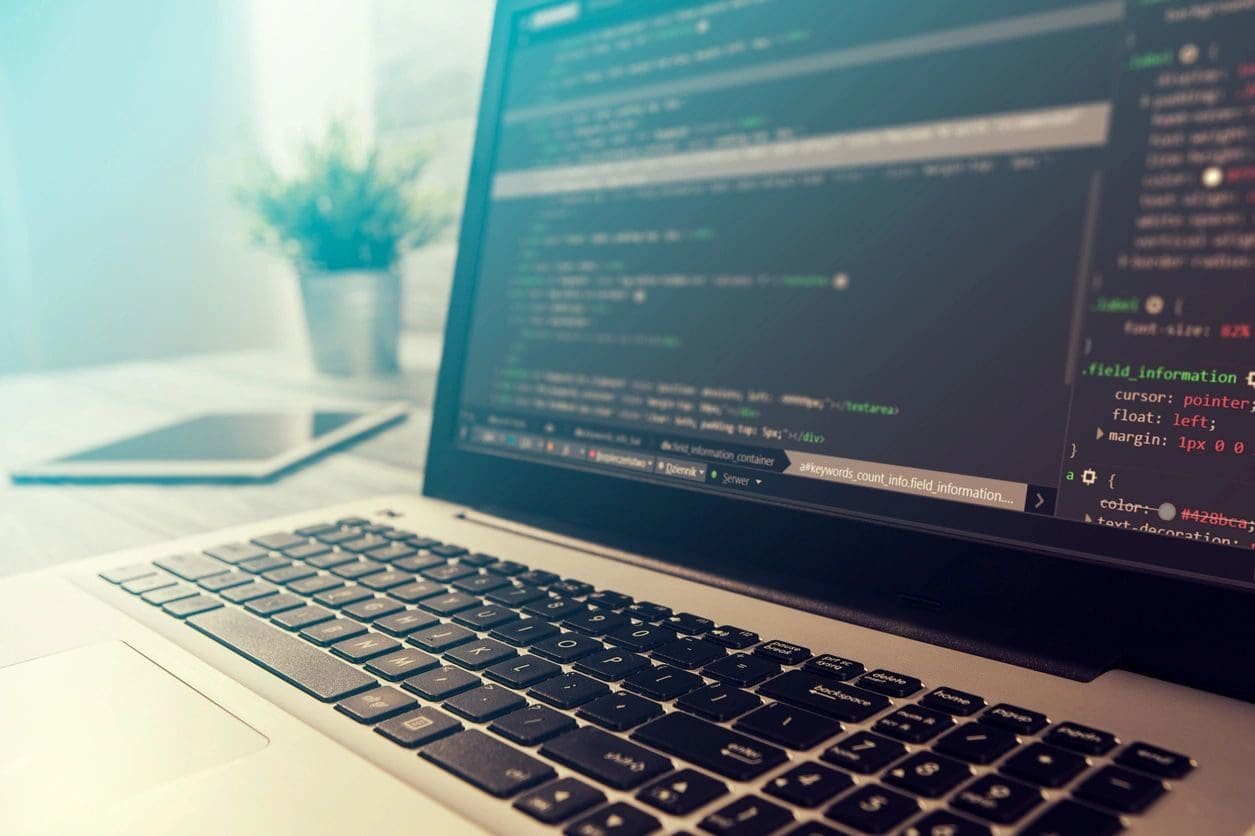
x,y
833,699
730,754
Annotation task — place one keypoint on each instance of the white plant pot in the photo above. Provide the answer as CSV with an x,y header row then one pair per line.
x,y
354,320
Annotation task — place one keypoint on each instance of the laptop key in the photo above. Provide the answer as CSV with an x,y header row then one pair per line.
x,y
488,701
784,652
553,609
946,823
486,618
794,728
595,622
873,809
480,584
640,637
406,622
613,761
313,671
570,588
166,594
1156,761
362,648
364,544
401,664
719,702
337,536
418,727
1080,738
329,559
663,682
356,569
279,540
248,592
411,593
680,793
480,653
315,529
809,784
619,711
648,611
440,637
190,567
822,695
733,637
522,671
302,617
138,586
448,572
479,560
927,774
864,753
184,607
235,552
273,604
375,705
555,803
688,653
1014,719
568,690
535,577
386,580
619,819
567,647
507,568
453,602
516,596
329,632
524,631
914,723
729,753
318,583
1120,789
688,624
889,682
835,667
216,583
265,563
611,665
977,743
1068,817
532,725
417,563
608,599
440,684
307,550
448,550
997,799
487,763
953,701
287,574
742,670
747,816
373,608
391,552
343,596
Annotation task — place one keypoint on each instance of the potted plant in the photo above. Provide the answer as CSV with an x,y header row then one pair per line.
x,y
344,218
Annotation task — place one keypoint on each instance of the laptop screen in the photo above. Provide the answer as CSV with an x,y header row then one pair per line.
x,y
881,258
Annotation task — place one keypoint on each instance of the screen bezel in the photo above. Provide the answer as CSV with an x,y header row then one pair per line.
x,y
908,577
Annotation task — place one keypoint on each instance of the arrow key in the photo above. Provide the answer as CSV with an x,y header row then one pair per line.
x,y
616,820
748,816
557,802
1120,789
808,785
683,792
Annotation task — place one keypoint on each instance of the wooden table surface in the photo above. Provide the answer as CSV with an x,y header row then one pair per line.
x,y
47,415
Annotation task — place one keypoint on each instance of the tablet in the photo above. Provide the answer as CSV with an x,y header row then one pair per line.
x,y
244,446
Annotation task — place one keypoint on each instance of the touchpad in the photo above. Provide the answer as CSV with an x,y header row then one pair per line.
x,y
85,728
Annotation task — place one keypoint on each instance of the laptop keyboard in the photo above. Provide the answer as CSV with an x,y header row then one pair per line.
x,y
499,673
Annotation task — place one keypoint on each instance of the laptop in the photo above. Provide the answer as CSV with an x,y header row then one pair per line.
x,y
843,427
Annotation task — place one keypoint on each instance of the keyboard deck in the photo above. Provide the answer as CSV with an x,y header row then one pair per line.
x,y
498,673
